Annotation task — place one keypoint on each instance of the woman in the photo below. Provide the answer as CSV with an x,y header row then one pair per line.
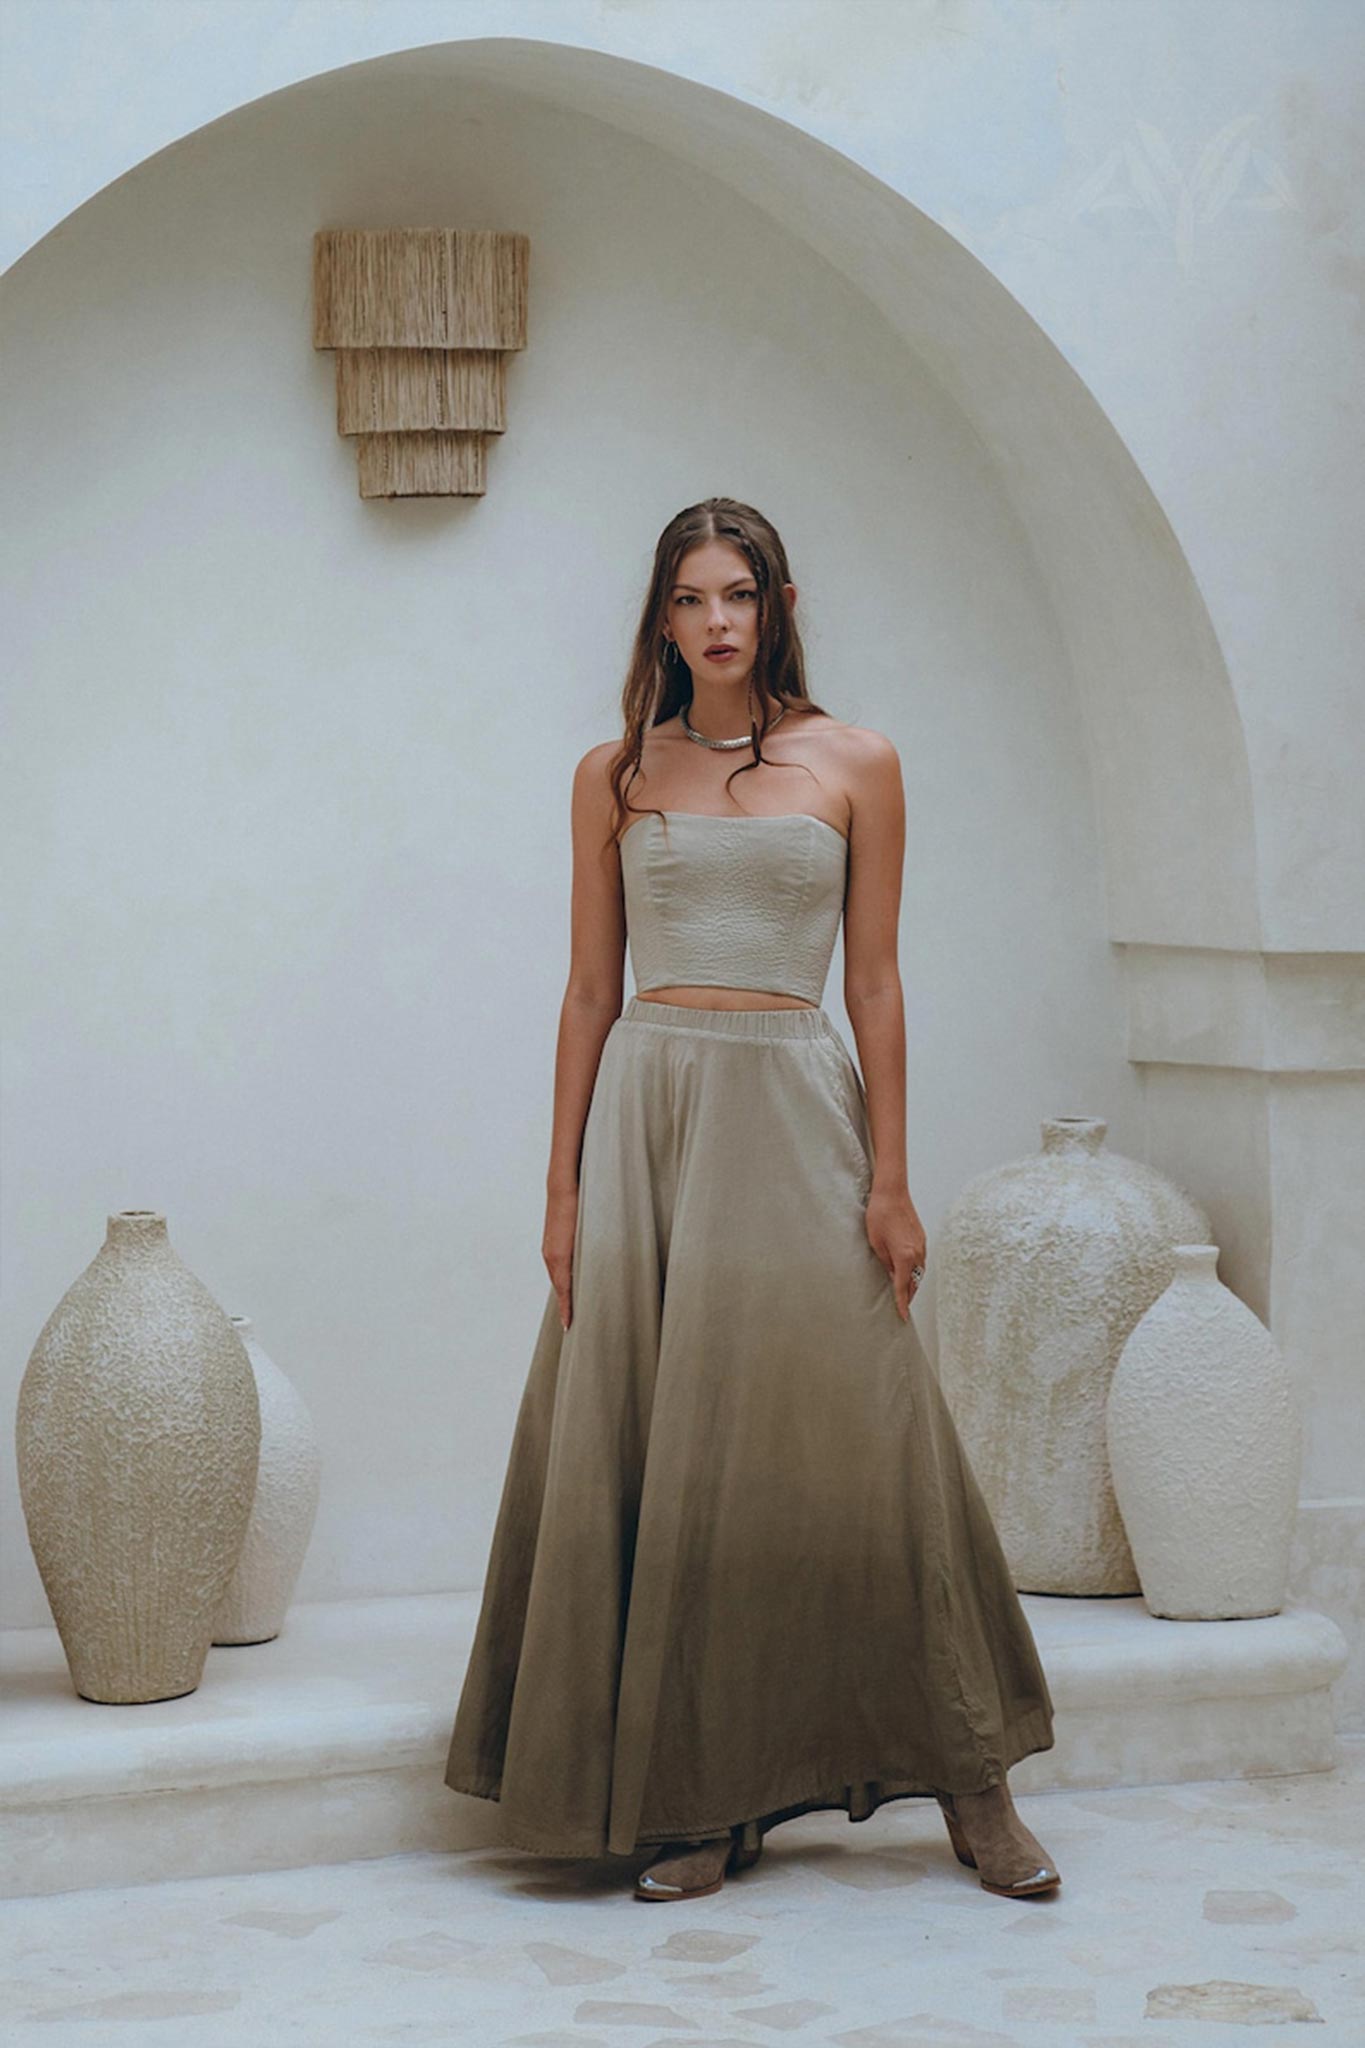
x,y
741,1568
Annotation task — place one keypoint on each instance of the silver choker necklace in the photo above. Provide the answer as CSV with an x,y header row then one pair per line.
x,y
745,739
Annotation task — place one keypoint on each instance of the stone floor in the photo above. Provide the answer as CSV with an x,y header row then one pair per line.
x,y
1188,1914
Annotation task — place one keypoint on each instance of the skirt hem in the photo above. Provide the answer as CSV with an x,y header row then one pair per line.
x,y
1030,1736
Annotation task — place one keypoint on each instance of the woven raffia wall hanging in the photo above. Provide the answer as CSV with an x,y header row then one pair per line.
x,y
421,320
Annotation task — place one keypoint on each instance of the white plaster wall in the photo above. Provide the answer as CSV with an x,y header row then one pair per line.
x,y
1170,190
289,793
1171,193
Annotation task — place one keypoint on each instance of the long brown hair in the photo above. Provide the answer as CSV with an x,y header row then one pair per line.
x,y
658,681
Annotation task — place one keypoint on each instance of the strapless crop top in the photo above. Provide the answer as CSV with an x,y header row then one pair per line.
x,y
725,902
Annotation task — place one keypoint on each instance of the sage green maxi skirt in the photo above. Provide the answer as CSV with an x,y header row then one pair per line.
x,y
741,1568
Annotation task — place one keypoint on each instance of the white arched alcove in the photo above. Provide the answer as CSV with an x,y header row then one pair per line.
x,y
293,816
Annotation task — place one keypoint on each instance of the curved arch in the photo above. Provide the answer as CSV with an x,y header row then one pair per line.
x,y
1164,738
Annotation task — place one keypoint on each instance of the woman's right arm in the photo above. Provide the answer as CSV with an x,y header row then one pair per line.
x,y
592,1003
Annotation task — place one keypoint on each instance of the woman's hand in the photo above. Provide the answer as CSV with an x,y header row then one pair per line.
x,y
896,1235
556,1247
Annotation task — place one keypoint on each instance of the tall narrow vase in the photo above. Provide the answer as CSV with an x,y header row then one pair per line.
x,y
287,1477
1205,1445
137,1434
1043,1267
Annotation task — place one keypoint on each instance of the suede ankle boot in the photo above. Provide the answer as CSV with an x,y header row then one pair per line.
x,y
690,1870
989,1837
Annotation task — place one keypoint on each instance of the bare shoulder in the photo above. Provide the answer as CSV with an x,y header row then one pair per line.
x,y
593,765
870,767
870,752
591,778
592,793
867,761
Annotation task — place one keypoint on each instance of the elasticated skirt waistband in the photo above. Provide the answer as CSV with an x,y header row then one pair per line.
x,y
806,1023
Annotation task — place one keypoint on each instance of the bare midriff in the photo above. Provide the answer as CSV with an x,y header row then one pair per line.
x,y
692,998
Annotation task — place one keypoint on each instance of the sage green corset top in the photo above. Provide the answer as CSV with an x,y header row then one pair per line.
x,y
730,902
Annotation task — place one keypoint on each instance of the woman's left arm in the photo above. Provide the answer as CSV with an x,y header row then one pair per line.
x,y
875,1001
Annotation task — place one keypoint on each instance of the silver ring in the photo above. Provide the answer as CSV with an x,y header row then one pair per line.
x,y
917,1272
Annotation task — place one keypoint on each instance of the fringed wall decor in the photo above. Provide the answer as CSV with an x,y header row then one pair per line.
x,y
421,320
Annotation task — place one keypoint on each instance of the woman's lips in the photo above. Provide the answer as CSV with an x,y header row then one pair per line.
x,y
719,653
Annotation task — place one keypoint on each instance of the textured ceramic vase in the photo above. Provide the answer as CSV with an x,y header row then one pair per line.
x,y
1205,1447
137,1434
1042,1268
287,1481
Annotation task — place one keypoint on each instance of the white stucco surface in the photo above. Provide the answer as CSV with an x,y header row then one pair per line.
x,y
1168,190
1036,327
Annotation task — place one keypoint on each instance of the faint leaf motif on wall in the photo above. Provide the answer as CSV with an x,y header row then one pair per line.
x,y
1142,171
1278,191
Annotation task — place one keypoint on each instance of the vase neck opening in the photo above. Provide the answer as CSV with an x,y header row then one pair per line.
x,y
136,1229
1073,1133
1194,1262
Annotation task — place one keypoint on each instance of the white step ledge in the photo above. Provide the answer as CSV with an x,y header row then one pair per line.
x,y
329,1743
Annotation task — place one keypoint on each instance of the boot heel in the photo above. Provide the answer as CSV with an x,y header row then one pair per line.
x,y
1042,1878
955,1834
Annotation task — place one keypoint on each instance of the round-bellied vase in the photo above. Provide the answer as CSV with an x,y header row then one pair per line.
x,y
1042,1268
282,1513
137,1434
1205,1447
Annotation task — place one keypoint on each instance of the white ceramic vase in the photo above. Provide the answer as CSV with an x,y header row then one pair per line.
x,y
282,1513
1042,1267
137,1434
1205,1447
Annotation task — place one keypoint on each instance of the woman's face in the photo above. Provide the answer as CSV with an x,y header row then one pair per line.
x,y
714,603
